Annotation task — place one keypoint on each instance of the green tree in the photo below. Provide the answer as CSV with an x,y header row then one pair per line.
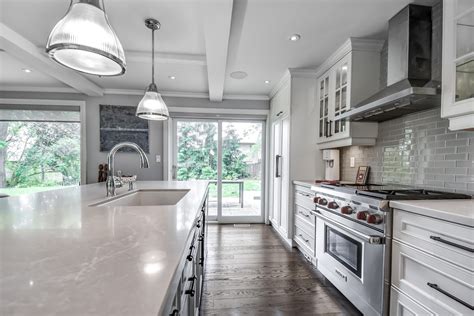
x,y
233,160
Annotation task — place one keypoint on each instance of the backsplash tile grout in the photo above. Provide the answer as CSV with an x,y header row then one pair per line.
x,y
417,150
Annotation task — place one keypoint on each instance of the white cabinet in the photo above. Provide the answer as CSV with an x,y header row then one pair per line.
x,y
347,77
432,269
457,100
293,153
305,222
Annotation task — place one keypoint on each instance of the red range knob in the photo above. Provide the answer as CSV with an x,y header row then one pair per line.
x,y
316,199
333,205
374,219
362,215
347,210
322,201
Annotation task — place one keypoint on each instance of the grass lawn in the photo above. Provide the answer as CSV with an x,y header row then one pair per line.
x,y
21,191
232,190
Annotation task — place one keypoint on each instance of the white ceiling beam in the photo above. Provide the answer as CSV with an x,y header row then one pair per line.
x,y
166,58
22,49
217,17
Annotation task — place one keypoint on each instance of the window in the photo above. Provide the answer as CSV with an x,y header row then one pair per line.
x,y
40,148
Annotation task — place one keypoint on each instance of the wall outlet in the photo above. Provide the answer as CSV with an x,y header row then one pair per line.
x,y
353,160
158,158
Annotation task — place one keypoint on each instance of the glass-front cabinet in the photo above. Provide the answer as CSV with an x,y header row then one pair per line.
x,y
458,64
347,77
324,106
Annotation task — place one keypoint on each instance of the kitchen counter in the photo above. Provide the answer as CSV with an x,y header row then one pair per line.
x,y
59,256
305,183
456,211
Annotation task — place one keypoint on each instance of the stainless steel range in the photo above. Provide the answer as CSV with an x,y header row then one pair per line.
x,y
353,238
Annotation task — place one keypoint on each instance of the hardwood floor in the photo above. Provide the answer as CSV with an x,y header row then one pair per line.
x,y
249,272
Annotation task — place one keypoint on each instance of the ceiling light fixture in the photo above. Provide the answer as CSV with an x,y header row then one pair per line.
x,y
172,77
295,37
84,40
26,70
152,106
267,81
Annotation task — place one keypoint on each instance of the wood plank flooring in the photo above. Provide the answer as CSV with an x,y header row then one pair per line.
x,y
249,272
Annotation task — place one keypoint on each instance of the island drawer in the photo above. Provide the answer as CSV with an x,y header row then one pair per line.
x,y
442,287
449,241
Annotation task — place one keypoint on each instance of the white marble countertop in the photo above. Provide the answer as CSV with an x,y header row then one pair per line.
x,y
457,211
59,256
305,183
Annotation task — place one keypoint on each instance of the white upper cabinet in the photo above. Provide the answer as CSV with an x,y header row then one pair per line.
x,y
458,64
347,77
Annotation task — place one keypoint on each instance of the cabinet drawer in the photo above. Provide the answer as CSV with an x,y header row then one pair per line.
x,y
305,240
303,224
305,200
402,305
416,273
305,215
446,240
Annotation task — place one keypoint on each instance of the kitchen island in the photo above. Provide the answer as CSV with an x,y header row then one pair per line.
x,y
62,256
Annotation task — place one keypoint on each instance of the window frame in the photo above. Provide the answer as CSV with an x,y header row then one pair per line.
x,y
82,114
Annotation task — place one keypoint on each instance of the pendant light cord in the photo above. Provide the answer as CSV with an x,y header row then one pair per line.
x,y
153,56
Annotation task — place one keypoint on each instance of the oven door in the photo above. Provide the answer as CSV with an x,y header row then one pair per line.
x,y
353,261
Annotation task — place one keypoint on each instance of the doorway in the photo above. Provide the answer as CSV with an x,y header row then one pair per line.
x,y
228,153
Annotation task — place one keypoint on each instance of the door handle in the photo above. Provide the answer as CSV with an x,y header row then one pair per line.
x,y
277,166
173,172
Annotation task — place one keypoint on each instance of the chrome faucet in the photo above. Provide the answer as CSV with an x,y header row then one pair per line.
x,y
111,183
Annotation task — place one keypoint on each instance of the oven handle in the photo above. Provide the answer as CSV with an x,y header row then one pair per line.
x,y
371,239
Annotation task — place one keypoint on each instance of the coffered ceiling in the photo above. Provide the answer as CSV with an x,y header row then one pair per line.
x,y
200,44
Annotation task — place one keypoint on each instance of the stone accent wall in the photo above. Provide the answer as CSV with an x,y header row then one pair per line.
x,y
419,150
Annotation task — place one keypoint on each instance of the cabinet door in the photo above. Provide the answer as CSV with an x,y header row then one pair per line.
x,y
458,63
341,95
285,177
324,130
276,173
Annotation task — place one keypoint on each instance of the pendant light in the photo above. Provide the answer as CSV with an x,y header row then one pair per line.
x,y
83,40
152,106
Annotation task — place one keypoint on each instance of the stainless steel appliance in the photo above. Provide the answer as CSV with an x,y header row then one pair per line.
x,y
411,84
353,239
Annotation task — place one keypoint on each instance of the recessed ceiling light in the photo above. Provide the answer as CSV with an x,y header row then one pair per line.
x,y
26,70
172,77
267,81
238,74
295,37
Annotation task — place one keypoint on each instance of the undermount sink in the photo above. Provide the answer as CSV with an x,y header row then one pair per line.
x,y
145,198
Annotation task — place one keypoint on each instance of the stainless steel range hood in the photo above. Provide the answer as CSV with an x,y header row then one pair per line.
x,y
409,85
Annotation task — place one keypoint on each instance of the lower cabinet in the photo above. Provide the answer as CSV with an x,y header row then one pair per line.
x,y
305,222
187,297
425,279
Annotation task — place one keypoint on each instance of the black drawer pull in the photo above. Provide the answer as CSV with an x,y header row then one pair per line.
x,y
190,256
304,214
191,291
447,242
460,301
174,312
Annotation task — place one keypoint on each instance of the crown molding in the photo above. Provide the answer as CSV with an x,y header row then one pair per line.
x,y
351,44
284,80
302,72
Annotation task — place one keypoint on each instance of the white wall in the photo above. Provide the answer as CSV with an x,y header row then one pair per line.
x,y
129,162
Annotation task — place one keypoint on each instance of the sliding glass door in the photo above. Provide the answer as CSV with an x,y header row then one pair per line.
x,y
230,155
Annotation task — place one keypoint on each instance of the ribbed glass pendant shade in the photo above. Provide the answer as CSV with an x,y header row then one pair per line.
x,y
84,41
152,107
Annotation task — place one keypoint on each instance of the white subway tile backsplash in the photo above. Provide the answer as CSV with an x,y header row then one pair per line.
x,y
417,149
